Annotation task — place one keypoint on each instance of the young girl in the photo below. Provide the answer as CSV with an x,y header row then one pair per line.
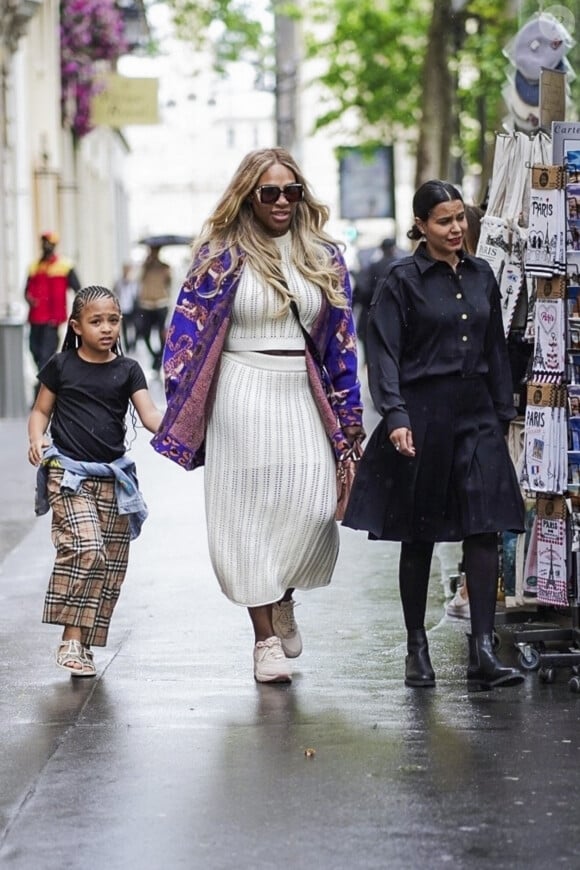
x,y
84,476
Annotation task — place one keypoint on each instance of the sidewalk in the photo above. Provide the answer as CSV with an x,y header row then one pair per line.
x,y
174,758
16,507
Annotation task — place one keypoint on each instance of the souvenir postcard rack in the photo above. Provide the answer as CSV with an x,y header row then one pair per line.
x,y
550,467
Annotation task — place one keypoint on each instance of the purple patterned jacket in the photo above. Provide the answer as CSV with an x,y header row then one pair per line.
x,y
193,347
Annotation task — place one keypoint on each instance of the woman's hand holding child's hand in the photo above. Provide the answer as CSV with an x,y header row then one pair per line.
x,y
354,433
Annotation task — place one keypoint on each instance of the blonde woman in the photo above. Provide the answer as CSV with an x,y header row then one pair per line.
x,y
261,381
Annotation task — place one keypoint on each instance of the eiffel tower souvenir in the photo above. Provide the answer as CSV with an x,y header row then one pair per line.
x,y
546,244
551,559
549,361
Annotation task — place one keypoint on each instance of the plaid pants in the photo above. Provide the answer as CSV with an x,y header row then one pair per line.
x,y
92,551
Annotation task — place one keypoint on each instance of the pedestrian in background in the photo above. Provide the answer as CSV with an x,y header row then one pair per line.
x,y
85,476
366,283
126,289
48,280
245,393
437,467
153,304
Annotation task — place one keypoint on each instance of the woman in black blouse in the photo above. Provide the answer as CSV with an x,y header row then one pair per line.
x,y
437,466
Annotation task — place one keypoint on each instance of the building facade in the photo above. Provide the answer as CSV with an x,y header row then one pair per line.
x,y
50,179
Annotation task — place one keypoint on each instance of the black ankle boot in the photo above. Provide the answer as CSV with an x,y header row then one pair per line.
x,y
485,671
418,668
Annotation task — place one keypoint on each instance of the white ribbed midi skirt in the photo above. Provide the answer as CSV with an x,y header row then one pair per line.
x,y
270,481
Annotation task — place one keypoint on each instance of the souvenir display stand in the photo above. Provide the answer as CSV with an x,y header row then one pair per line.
x,y
550,468
530,235
502,243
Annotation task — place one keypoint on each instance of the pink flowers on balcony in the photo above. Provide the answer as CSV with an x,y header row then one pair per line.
x,y
91,34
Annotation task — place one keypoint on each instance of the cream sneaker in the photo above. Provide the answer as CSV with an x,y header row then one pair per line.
x,y
270,663
286,629
458,607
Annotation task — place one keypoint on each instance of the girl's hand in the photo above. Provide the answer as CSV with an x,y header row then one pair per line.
x,y
36,450
402,441
149,413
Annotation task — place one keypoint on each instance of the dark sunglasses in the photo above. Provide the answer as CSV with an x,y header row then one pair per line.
x,y
271,193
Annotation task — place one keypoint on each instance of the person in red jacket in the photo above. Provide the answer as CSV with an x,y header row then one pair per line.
x,y
46,291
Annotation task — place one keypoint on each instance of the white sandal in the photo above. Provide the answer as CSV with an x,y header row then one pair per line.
x,y
72,652
89,664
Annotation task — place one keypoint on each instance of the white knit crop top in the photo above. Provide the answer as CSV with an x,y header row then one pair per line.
x,y
254,326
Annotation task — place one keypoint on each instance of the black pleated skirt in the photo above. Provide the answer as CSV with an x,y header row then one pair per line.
x,y
461,481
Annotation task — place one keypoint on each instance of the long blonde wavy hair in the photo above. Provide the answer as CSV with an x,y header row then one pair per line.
x,y
232,227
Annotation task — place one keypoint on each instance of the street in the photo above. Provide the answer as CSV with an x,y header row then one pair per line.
x,y
173,757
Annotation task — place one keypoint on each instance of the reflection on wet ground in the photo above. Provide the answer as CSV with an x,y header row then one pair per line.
x,y
175,758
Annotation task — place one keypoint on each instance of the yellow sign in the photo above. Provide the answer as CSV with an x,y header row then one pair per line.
x,y
125,101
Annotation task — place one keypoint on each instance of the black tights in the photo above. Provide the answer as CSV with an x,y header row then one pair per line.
x,y
481,568
414,568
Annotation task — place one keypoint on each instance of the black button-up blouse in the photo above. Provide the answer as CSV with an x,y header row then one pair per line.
x,y
427,320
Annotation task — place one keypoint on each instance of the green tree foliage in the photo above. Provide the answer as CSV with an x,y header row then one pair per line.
x,y
376,54
377,57
482,31
230,27
373,53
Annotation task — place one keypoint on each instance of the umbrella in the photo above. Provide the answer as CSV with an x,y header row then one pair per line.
x,y
164,240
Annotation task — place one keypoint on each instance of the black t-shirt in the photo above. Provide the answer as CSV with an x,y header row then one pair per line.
x,y
88,420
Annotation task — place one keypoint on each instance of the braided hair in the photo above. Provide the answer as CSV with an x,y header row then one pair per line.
x,y
72,341
82,298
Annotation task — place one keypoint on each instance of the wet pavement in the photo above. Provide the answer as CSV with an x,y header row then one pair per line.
x,y
174,758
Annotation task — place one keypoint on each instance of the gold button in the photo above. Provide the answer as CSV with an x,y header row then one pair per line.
x,y
463,338
464,316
